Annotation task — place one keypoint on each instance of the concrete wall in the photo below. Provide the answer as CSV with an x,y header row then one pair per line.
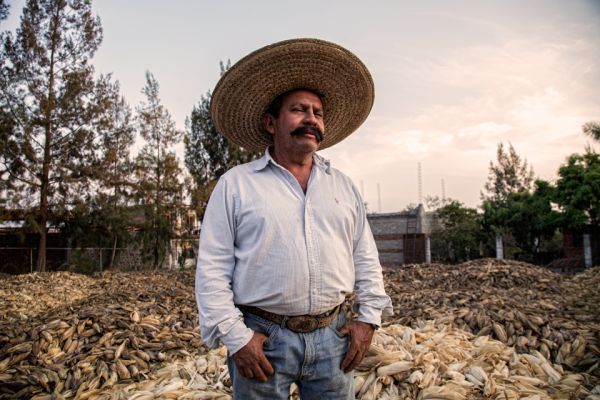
x,y
400,236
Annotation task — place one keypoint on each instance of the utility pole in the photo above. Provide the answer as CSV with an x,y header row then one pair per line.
x,y
379,196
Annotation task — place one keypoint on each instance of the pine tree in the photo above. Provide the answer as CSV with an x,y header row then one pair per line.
x,y
114,167
47,90
208,154
3,10
6,130
509,175
157,172
592,129
116,135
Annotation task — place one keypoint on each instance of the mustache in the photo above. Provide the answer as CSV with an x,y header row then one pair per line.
x,y
301,130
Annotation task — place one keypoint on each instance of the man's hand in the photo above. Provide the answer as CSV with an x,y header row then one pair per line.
x,y
251,361
360,336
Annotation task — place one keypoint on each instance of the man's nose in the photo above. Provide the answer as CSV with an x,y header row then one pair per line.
x,y
310,117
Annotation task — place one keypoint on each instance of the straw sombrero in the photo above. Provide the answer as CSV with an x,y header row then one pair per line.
x,y
245,91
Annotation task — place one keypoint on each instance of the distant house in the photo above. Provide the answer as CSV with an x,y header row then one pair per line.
x,y
401,237
18,250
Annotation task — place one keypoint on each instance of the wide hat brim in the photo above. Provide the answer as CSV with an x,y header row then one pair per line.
x,y
245,91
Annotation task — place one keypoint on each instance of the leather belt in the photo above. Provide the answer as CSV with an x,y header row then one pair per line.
x,y
297,323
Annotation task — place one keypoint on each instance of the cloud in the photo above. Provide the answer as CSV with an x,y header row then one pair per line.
x,y
533,92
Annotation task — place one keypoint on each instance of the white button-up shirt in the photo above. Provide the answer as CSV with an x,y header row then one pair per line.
x,y
266,243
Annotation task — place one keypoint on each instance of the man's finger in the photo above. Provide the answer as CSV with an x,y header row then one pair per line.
x,y
350,354
265,365
352,362
355,362
247,373
259,374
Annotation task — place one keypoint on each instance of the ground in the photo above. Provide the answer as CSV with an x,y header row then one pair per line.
x,y
484,329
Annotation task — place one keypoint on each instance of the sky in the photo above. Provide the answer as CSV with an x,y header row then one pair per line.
x,y
452,78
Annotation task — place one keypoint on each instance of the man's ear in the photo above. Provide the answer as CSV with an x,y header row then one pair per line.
x,y
269,123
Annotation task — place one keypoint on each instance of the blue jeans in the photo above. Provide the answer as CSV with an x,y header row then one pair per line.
x,y
311,360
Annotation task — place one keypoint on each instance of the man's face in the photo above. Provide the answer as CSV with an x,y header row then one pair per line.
x,y
299,127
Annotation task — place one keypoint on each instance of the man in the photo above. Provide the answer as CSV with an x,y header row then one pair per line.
x,y
285,238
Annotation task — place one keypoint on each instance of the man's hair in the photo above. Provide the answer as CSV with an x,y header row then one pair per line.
x,y
275,106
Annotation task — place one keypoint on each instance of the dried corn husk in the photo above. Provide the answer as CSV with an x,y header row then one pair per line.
x,y
484,329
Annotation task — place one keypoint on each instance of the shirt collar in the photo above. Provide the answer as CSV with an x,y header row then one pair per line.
x,y
318,161
262,162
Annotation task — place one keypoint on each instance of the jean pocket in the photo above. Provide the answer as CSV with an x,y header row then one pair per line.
x,y
261,325
337,324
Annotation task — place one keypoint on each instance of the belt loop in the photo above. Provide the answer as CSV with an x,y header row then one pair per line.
x,y
284,321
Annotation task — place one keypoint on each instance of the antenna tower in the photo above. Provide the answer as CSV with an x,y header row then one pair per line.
x,y
443,191
420,182
379,196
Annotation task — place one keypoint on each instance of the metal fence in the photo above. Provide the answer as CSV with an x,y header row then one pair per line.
x,y
19,260
14,260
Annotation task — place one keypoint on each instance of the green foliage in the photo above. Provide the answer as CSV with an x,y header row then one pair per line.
x,y
98,223
208,154
410,208
157,173
457,239
48,91
578,190
116,134
509,175
155,236
525,217
3,10
83,261
436,202
592,129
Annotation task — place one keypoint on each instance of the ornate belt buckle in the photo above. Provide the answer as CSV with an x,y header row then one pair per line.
x,y
302,324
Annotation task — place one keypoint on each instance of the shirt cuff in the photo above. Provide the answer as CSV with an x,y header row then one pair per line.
x,y
235,335
372,315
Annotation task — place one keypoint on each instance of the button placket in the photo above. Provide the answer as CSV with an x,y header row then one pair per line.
x,y
308,231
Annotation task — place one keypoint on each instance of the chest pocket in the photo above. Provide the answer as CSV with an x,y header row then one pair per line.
x,y
334,212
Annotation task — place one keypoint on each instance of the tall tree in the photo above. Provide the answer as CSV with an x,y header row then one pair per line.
x,y
208,154
6,126
457,238
101,218
116,135
527,216
47,88
157,171
511,174
578,190
114,167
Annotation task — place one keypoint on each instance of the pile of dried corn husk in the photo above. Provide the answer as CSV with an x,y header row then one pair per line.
x,y
25,296
519,304
129,324
135,335
429,362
